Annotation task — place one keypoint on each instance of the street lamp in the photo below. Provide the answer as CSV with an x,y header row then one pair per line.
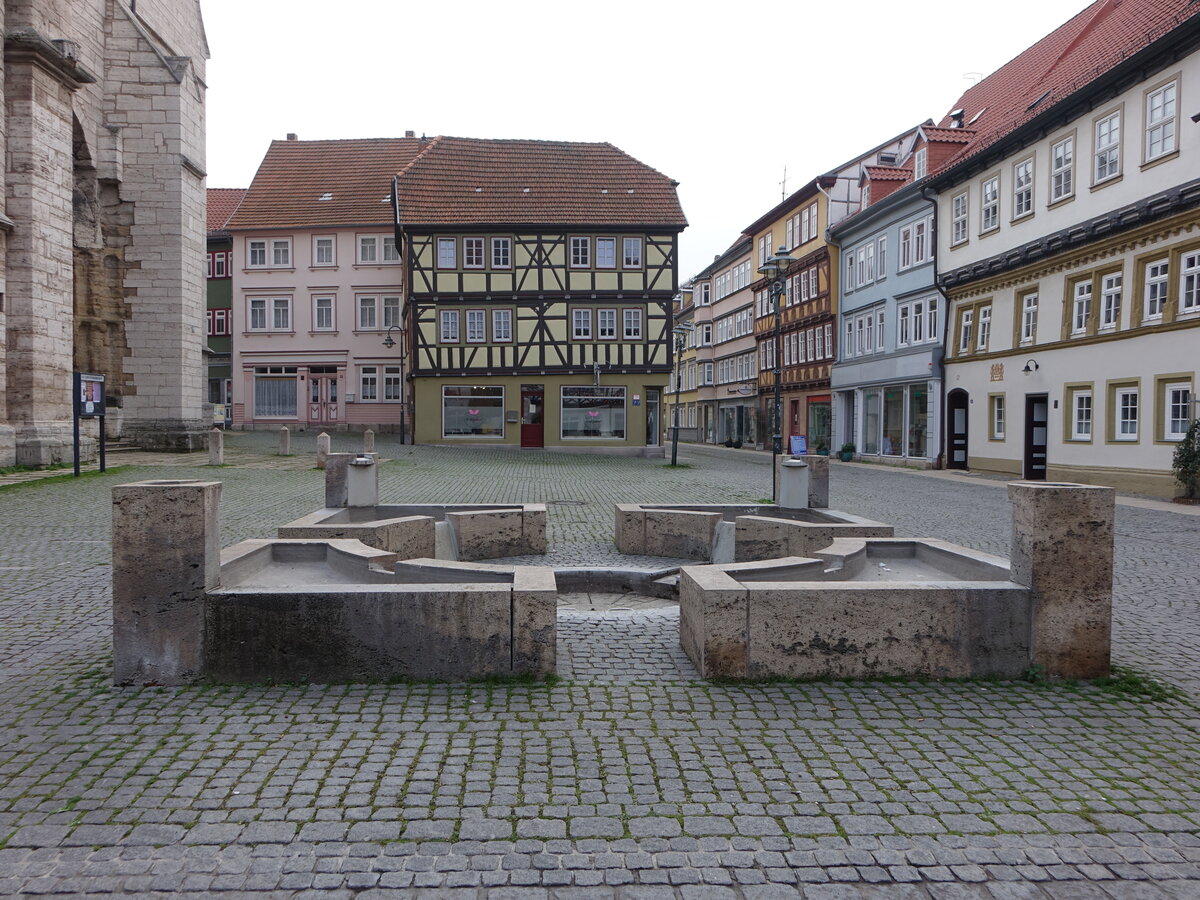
x,y
390,342
776,269
681,331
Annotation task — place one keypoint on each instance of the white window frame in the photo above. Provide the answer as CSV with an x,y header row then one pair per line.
x,y
1110,300
920,157
448,332
989,204
447,253
1023,188
393,386
473,250
997,418
581,324
368,384
1171,405
631,253
606,324
1189,283
388,304
631,324
1106,157
1082,425
363,304
281,305
317,241
581,253
1062,169
316,312
502,326
389,252
959,210
368,252
1157,283
281,253
966,328
985,328
1081,305
256,309
1162,132
256,253
476,321
609,262
1029,316
501,253
1121,414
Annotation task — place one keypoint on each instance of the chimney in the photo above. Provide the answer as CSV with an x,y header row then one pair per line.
x,y
410,134
292,136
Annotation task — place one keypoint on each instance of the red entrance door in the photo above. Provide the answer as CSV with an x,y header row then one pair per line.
x,y
532,410
322,399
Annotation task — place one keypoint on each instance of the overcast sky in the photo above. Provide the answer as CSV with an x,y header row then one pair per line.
x,y
719,96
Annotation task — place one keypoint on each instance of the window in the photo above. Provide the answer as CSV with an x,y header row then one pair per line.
x,y
765,248
472,411
919,163
391,383
903,331
275,392
633,324
448,253
606,253
606,324
1127,414
281,314
1062,161
849,272
1110,300
501,253
1156,288
322,314
448,333
1081,415
632,253
706,331
906,248
965,329
502,326
997,417
581,324
1022,188
1160,122
256,318
256,254
581,252
593,411
1108,148
368,384
704,297
1178,402
218,322
958,219
472,249
985,328
366,314
1189,283
922,239
881,261
368,249
917,323
476,326
323,251
1029,316
989,204
391,253
828,340
281,253
218,264
1081,306
808,339
391,311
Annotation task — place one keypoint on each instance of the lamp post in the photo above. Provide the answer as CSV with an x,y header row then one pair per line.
x,y
390,342
776,269
681,331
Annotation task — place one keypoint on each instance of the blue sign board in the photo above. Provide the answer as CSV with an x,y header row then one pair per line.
x,y
798,444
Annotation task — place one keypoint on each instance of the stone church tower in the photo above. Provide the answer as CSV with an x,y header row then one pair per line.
x,y
102,227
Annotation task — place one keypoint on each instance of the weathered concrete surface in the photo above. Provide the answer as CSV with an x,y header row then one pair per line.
x,y
337,479
680,534
323,444
285,441
766,537
409,537
534,621
629,530
488,534
216,447
165,555
713,618
1062,549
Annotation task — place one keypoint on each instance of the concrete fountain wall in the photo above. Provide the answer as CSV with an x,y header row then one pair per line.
x,y
289,610
871,607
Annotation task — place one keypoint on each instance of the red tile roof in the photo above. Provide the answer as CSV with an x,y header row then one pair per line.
x,y
888,173
953,135
355,177
469,181
222,202
1066,60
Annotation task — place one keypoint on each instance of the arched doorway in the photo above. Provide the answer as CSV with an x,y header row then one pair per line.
x,y
956,429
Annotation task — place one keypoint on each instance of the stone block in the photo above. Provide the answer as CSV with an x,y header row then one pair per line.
x,y
368,441
680,534
285,441
534,621
629,532
408,537
488,534
216,447
165,555
712,621
1062,550
323,445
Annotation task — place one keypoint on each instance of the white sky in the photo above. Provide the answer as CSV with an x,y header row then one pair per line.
x,y
719,96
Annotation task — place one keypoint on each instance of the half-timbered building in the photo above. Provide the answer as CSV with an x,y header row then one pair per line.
x,y
540,279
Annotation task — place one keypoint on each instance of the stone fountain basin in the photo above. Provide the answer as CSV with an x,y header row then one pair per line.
x,y
728,533
447,531
932,609
326,611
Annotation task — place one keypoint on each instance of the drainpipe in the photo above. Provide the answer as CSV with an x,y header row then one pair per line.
x,y
933,236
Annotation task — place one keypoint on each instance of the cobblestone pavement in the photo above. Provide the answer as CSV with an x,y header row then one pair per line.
x,y
626,778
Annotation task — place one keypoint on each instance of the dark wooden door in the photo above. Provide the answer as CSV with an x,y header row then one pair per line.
x,y
532,415
956,429
1037,421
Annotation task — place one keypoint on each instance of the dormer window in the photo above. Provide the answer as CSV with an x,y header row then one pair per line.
x,y
919,163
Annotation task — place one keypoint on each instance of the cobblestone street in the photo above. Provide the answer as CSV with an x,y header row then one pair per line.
x,y
626,778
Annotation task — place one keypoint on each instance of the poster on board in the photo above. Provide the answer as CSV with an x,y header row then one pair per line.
x,y
798,444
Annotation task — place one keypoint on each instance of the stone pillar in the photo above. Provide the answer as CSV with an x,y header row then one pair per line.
x,y
793,484
322,449
368,441
1062,550
166,554
351,482
818,480
285,441
216,447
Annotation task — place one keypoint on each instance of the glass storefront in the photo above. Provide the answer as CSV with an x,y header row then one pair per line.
x,y
472,411
895,420
820,421
593,411
870,442
918,419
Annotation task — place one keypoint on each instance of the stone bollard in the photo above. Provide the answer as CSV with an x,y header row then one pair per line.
x,y
368,441
793,484
165,554
216,447
818,480
322,449
285,441
350,482
1062,550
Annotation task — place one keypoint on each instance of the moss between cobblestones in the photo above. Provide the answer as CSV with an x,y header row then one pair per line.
x,y
59,479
